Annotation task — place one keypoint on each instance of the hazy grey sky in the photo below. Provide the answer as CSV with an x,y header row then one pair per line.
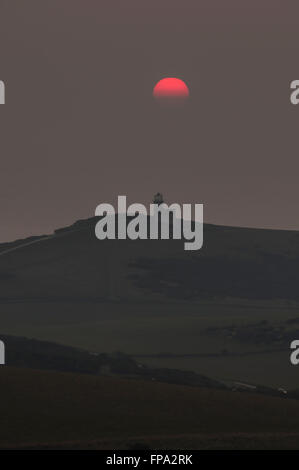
x,y
80,126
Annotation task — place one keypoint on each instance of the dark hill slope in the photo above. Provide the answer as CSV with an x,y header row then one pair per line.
x,y
73,264
44,355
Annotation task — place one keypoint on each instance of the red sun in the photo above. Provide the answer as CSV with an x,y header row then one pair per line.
x,y
171,88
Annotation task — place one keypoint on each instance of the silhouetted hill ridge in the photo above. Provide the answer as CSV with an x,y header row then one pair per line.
x,y
73,264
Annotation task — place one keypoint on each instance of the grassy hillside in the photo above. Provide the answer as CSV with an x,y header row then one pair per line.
x,y
42,355
73,264
48,408
228,311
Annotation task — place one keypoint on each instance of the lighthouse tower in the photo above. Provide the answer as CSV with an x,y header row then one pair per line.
x,y
158,199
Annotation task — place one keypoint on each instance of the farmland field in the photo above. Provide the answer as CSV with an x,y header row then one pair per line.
x,y
189,336
64,410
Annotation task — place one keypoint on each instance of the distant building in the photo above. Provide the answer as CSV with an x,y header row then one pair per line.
x,y
158,199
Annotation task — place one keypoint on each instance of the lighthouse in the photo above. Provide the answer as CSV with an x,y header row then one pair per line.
x,y
158,199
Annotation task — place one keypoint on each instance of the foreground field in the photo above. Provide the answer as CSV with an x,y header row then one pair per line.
x,y
49,409
239,441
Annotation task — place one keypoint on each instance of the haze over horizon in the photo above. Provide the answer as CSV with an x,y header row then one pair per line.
x,y
80,126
